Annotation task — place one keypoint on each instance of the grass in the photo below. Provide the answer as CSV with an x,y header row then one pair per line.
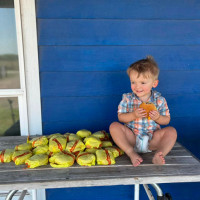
x,y
6,120
11,81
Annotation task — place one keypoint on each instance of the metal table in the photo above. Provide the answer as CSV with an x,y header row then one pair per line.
x,y
181,166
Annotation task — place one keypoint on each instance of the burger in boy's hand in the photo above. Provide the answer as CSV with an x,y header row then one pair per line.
x,y
148,107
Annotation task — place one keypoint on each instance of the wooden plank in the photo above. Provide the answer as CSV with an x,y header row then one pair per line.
x,y
130,171
113,83
7,142
180,165
180,153
115,58
177,144
11,142
117,32
76,177
173,158
177,156
103,182
170,160
143,9
104,108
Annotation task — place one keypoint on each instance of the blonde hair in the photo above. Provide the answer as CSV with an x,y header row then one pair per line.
x,y
144,66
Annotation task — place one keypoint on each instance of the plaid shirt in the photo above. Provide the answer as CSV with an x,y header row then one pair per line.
x,y
143,126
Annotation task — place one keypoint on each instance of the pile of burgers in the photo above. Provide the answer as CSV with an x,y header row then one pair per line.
x,y
62,150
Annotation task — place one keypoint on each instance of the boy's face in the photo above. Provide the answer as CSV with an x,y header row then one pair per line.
x,y
142,85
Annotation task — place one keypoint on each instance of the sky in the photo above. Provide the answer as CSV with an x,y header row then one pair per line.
x,y
8,40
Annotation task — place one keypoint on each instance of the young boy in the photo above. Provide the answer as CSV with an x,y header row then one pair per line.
x,y
140,134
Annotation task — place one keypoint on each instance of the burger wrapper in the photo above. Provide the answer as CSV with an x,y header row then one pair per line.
x,y
107,144
54,135
25,146
60,166
92,142
62,159
75,146
49,153
57,144
6,155
37,160
39,141
43,149
115,151
105,157
102,135
83,133
92,150
71,137
19,157
86,159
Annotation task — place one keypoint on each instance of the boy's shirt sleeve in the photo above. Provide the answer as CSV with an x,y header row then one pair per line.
x,y
123,105
163,107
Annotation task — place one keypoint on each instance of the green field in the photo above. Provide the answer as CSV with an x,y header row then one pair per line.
x,y
6,120
9,116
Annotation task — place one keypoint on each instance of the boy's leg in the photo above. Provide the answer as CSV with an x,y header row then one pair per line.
x,y
163,141
125,139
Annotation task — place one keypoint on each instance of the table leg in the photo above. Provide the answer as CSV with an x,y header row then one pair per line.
x,y
158,189
23,194
148,191
137,192
11,194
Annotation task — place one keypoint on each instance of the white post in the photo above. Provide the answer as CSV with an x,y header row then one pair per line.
x,y
38,194
137,192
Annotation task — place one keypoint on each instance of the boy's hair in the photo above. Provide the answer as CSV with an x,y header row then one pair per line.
x,y
144,66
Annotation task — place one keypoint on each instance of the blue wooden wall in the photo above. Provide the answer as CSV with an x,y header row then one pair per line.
x,y
85,48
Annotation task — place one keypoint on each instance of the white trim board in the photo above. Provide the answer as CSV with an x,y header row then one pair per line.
x,y
27,30
30,45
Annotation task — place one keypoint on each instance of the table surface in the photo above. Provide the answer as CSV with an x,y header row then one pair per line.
x,y
181,166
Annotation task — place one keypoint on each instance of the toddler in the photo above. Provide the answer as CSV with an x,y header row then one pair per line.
x,y
139,134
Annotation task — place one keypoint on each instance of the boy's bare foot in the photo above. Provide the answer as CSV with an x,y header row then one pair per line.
x,y
135,159
158,159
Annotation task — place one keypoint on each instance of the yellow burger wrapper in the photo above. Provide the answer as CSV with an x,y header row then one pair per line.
x,y
105,157
38,141
71,136
74,146
42,149
54,135
107,144
6,155
62,159
102,135
57,144
25,146
49,153
115,151
37,160
83,133
19,157
92,142
86,159
92,150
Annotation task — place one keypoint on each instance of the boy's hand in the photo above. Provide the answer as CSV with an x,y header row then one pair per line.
x,y
140,113
154,114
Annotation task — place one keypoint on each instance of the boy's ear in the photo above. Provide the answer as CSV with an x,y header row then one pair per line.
x,y
155,83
